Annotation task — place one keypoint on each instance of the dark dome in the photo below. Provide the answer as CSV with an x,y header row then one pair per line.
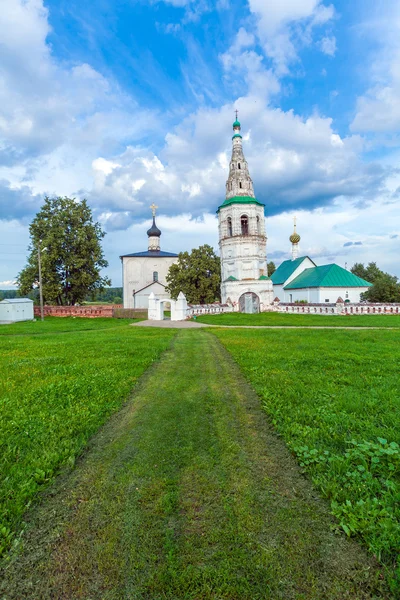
x,y
154,231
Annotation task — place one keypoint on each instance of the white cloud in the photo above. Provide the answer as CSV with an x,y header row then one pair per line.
x,y
327,45
284,26
378,109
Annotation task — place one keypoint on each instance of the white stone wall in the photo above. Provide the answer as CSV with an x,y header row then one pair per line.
x,y
234,289
242,256
343,309
137,272
141,299
323,294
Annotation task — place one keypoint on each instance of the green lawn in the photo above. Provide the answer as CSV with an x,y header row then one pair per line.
x,y
281,319
334,397
187,494
55,392
63,324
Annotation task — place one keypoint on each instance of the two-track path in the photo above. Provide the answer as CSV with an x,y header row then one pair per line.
x,y
187,493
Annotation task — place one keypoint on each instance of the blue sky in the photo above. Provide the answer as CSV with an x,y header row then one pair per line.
x,y
126,102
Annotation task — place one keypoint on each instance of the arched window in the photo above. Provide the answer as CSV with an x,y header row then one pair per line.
x,y
244,224
258,226
229,226
155,275
238,165
240,184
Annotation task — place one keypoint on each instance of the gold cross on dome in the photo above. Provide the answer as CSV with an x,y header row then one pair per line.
x,y
236,111
294,221
153,209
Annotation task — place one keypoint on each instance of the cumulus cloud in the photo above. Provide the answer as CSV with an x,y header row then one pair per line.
x,y
378,109
294,162
44,105
286,25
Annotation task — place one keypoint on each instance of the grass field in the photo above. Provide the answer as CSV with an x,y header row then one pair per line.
x,y
187,494
62,325
55,392
281,319
334,397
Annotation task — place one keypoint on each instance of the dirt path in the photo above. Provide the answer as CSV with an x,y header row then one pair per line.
x,y
187,494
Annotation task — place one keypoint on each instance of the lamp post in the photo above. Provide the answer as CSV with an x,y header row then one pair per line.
x,y
40,282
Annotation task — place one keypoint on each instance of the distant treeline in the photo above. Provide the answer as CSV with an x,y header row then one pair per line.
x,y
110,294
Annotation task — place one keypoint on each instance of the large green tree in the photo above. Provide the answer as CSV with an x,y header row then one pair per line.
x,y
71,252
385,288
197,274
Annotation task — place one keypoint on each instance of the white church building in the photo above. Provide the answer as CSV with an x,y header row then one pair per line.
x,y
242,242
145,272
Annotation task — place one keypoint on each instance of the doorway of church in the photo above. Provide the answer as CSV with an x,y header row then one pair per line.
x,y
249,303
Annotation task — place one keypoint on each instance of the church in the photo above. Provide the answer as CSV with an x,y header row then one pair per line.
x,y
146,272
242,241
245,282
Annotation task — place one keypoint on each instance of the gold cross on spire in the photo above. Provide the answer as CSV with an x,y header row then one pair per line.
x,y
153,209
294,221
236,111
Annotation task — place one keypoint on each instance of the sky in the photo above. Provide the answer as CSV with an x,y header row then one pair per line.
x,y
130,102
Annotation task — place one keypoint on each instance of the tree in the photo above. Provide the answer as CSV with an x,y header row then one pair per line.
x,y
71,253
370,273
271,268
385,287
197,275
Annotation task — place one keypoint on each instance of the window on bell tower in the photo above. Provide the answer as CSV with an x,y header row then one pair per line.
x,y
244,224
258,226
229,227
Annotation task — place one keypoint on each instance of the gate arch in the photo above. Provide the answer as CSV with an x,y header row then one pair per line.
x,y
249,303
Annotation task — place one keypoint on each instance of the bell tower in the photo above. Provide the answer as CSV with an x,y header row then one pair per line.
x,y
242,237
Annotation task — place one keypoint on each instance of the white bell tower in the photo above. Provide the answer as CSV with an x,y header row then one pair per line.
x,y
242,238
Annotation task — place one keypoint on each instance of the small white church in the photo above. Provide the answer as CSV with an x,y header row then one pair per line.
x,y
146,272
245,283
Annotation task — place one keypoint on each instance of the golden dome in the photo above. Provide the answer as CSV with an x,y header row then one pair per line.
x,y
294,238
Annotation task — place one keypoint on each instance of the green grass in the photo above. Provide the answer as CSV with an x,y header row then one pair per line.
x,y
186,494
63,324
334,397
281,319
55,392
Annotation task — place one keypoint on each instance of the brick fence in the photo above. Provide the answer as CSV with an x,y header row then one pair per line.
x,y
104,310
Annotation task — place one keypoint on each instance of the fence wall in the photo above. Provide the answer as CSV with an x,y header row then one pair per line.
x,y
338,308
104,310
208,309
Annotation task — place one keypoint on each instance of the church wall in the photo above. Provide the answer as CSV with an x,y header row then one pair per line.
x,y
323,295
242,256
138,272
232,290
142,298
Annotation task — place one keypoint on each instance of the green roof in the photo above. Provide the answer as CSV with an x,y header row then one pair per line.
x,y
285,270
236,123
240,200
236,135
263,277
231,278
326,276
